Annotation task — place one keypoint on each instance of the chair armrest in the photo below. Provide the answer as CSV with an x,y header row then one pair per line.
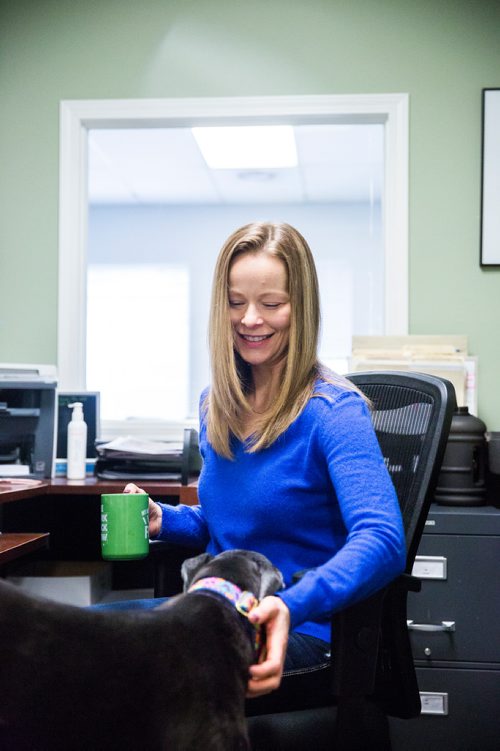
x,y
408,582
371,650
355,641
355,646
364,635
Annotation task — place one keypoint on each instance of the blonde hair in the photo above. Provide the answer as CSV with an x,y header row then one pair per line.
x,y
231,377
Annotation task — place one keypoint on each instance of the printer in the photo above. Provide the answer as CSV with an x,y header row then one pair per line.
x,y
28,418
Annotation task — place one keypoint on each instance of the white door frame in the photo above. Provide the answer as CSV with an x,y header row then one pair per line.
x,y
78,116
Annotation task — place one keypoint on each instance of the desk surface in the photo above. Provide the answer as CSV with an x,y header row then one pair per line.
x,y
17,490
16,544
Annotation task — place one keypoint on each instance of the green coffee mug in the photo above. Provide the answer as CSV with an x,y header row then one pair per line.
x,y
124,526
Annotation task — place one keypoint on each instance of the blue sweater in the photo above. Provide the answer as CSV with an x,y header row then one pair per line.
x,y
319,497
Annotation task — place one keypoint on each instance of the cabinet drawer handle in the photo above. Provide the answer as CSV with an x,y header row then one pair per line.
x,y
443,626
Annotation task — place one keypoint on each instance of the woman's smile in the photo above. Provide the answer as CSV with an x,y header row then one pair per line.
x,y
254,340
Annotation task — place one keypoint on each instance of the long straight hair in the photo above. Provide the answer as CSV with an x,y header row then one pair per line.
x,y
227,401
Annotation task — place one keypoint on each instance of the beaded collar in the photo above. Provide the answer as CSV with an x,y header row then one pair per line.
x,y
243,601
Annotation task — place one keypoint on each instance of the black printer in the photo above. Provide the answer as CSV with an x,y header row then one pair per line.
x,y
28,416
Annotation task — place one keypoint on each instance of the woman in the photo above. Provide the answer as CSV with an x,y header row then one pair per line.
x,y
291,464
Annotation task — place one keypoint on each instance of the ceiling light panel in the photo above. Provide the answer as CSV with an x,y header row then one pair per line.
x,y
247,147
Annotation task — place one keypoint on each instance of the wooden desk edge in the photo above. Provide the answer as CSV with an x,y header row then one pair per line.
x,y
187,494
19,492
16,544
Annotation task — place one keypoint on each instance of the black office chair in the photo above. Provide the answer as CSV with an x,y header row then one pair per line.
x,y
345,705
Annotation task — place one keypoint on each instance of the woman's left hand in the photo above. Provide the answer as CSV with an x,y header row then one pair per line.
x,y
273,615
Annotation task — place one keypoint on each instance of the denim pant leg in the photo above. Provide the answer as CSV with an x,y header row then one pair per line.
x,y
305,652
145,604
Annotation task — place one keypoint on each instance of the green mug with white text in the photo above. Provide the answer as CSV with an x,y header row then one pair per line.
x,y
124,526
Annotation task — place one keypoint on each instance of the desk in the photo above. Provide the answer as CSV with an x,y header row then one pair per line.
x,y
14,544
19,490
187,494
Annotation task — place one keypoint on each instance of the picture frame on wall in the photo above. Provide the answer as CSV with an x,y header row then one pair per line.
x,y
490,179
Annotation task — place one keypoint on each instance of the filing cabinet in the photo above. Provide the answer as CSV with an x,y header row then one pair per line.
x,y
454,630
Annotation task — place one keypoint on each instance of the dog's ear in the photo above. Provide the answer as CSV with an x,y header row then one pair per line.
x,y
271,581
191,566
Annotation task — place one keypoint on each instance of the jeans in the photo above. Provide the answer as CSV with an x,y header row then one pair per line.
x,y
303,651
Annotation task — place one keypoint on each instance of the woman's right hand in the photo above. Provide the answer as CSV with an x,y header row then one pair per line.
x,y
155,514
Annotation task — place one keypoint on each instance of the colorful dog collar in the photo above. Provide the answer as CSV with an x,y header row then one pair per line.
x,y
243,601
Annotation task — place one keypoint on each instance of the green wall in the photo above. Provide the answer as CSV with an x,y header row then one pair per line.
x,y
441,53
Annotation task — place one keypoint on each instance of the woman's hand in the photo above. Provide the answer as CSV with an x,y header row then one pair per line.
x,y
273,615
154,510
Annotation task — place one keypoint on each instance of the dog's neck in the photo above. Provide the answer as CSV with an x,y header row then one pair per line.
x,y
242,600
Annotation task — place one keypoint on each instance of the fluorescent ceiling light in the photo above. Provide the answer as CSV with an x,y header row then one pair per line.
x,y
247,147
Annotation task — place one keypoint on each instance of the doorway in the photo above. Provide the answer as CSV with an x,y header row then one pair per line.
x,y
316,116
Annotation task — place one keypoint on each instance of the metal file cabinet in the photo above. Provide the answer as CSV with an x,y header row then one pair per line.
x,y
454,627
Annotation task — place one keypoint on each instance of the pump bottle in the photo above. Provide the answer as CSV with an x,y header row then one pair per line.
x,y
77,443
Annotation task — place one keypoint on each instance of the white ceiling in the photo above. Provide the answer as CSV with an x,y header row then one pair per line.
x,y
337,163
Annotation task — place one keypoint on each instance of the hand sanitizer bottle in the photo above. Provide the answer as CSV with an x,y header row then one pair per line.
x,y
77,443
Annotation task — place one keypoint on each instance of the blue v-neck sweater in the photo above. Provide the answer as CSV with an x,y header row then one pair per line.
x,y
319,498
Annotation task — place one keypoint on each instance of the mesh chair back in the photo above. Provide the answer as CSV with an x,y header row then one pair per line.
x,y
412,416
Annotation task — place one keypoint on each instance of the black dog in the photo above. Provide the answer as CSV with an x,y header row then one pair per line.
x,y
172,678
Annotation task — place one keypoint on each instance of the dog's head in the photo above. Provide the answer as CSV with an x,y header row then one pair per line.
x,y
247,569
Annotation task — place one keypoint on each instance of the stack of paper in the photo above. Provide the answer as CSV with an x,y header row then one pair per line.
x,y
128,457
